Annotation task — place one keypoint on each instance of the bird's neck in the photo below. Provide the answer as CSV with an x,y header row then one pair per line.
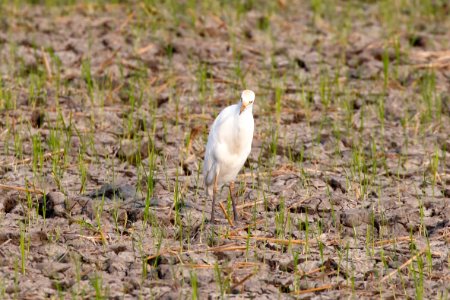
x,y
243,120
248,110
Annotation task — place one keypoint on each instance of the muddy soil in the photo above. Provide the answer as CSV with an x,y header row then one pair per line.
x,y
105,114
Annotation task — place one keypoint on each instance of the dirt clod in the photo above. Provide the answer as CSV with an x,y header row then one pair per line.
x,y
105,112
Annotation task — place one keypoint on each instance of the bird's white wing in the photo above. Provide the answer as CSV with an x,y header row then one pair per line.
x,y
210,162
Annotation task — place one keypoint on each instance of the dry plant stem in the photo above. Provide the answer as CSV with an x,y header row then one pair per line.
x,y
107,62
233,201
21,189
144,49
242,281
267,239
391,241
282,171
250,204
123,108
5,243
433,66
443,236
238,265
225,213
48,68
223,248
409,261
317,289
27,160
125,23
310,272
236,231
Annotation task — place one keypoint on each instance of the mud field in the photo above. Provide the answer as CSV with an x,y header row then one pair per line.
x,y
105,111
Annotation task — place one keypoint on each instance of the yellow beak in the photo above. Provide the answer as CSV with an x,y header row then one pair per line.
x,y
243,107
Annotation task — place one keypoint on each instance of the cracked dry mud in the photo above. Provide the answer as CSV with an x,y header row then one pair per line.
x,y
105,111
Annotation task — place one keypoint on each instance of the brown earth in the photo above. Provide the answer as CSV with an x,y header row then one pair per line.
x,y
106,109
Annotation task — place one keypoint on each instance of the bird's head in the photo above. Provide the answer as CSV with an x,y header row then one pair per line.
x,y
247,99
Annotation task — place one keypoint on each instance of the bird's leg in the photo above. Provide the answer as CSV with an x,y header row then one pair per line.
x,y
214,198
231,186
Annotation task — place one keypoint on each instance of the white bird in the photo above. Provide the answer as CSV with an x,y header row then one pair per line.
x,y
229,144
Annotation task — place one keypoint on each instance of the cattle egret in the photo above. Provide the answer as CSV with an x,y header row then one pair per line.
x,y
229,144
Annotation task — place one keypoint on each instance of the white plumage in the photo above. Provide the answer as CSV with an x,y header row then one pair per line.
x,y
229,144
